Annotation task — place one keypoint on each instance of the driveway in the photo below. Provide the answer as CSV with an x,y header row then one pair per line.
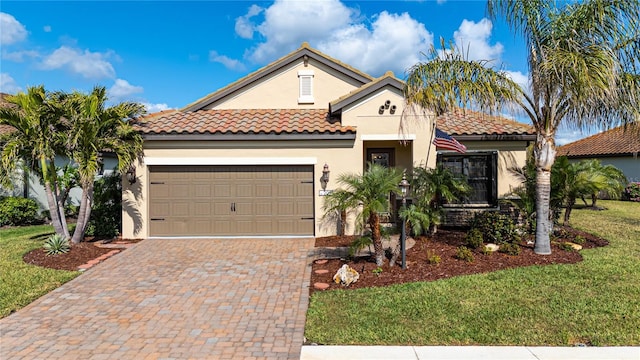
x,y
173,299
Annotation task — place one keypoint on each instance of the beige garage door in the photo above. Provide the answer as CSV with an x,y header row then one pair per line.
x,y
231,200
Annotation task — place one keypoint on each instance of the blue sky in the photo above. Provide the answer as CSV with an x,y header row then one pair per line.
x,y
167,54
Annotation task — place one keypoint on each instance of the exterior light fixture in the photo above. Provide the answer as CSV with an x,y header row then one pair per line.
x,y
131,174
324,179
404,190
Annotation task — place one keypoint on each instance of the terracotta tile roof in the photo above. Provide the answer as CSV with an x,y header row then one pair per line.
x,y
241,121
469,122
617,141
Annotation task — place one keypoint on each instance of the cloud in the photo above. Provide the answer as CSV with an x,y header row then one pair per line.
x,y
90,65
8,84
244,26
231,64
121,89
566,136
151,108
519,78
473,40
19,56
47,28
12,30
389,42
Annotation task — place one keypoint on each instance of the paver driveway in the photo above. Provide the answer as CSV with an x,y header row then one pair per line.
x,y
182,299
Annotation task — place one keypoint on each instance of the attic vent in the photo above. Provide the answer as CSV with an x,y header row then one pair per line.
x,y
305,77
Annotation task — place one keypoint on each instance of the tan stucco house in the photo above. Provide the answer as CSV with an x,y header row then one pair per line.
x,y
247,160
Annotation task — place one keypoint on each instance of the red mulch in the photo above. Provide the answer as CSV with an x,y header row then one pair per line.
x,y
444,243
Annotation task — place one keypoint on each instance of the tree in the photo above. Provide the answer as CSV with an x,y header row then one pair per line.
x,y
613,180
370,192
583,71
37,137
336,204
93,128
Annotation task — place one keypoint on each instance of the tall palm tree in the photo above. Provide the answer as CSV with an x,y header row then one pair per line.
x,y
370,191
583,70
37,137
96,127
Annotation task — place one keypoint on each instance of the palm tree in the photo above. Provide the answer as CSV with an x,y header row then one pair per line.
x,y
582,60
37,138
613,179
370,192
336,204
94,128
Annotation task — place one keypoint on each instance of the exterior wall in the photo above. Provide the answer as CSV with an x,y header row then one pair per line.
x,y
280,90
629,165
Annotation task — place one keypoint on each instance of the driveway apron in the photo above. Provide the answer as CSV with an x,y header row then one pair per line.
x,y
173,299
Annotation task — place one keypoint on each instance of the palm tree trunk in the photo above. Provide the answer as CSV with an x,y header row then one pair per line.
x,y
57,218
83,214
543,222
343,222
374,223
53,209
567,211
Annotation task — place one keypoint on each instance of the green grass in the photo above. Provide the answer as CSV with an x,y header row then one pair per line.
x,y
596,301
21,283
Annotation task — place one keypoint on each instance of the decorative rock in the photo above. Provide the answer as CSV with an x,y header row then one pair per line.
x,y
492,247
346,275
321,271
320,286
574,246
322,261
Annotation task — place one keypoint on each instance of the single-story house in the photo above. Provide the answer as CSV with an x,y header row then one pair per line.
x,y
248,159
619,147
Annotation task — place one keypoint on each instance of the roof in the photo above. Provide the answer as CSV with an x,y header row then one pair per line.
x,y
617,141
304,51
242,121
388,79
467,124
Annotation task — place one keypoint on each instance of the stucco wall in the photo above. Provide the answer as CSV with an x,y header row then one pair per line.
x,y
629,165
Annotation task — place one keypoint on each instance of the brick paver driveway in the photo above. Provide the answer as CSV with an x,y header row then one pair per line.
x,y
173,299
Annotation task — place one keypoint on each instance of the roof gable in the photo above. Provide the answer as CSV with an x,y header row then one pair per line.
x,y
388,79
617,141
304,53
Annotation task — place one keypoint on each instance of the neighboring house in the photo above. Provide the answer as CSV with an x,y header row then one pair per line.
x,y
619,147
30,186
248,159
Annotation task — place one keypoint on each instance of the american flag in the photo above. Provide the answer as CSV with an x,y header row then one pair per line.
x,y
445,141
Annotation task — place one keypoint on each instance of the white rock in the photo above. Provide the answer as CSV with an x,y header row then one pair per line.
x,y
346,275
492,247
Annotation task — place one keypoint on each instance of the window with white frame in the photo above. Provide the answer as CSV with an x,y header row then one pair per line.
x,y
305,78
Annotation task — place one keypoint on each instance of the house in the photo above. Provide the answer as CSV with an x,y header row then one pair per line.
x,y
619,147
256,157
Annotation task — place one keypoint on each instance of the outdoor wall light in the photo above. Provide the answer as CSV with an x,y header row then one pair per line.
x,y
324,179
131,174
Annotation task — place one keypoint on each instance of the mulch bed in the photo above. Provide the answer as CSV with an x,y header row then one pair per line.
x,y
444,244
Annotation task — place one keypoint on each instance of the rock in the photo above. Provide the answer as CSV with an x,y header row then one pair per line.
x,y
322,261
574,246
321,271
320,286
346,275
492,247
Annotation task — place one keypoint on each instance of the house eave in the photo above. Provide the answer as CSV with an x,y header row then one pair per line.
x,y
248,137
495,137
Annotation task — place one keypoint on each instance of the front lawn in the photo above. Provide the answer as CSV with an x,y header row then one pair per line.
x,y
20,283
594,302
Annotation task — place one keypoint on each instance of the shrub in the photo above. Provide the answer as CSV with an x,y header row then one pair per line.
x,y
433,258
566,246
358,244
495,227
56,244
473,239
106,213
17,211
580,240
510,249
632,192
464,253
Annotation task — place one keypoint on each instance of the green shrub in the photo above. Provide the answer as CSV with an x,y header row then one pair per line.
x,y
359,244
580,240
377,271
473,239
433,258
486,251
106,213
495,227
566,246
56,244
17,211
510,249
464,253
632,192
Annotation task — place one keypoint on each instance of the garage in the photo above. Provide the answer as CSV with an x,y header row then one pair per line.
x,y
273,200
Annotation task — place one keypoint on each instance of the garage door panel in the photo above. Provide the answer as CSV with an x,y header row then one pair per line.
x,y
231,200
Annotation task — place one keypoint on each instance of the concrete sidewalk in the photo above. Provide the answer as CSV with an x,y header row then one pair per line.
x,y
468,352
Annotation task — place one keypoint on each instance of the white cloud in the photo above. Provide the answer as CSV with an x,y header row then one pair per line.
x,y
473,40
12,30
244,26
8,84
19,56
231,64
519,78
47,28
91,65
151,108
390,42
121,89
566,136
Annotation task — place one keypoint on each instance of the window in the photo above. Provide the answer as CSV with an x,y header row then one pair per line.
x,y
305,77
480,170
